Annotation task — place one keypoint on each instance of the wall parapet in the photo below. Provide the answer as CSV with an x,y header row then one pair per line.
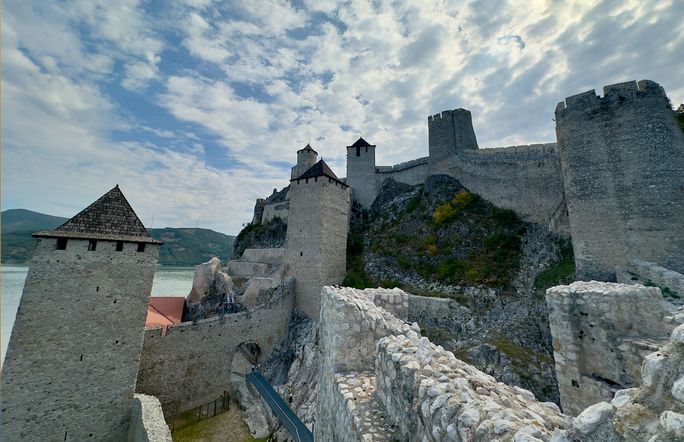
x,y
612,93
192,363
402,166
523,152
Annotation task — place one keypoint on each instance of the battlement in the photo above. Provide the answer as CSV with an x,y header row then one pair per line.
x,y
613,93
525,152
448,114
402,166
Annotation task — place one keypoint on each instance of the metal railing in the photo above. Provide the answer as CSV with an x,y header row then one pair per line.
x,y
196,414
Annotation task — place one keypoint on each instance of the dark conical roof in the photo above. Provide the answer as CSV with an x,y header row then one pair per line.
x,y
319,169
308,147
111,217
361,143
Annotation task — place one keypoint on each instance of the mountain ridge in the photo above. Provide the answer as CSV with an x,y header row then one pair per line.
x,y
183,246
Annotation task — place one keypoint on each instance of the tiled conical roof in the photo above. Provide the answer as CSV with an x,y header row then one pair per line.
x,y
111,217
361,143
319,169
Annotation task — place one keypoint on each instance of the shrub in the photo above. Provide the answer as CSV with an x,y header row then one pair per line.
x,y
413,203
464,199
444,213
402,261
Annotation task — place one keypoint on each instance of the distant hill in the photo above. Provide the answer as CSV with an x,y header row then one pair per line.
x,y
182,246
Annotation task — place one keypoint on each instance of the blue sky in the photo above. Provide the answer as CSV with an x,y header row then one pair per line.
x,y
196,107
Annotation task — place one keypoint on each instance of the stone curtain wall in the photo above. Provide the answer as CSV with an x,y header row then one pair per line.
x,y
653,273
601,333
525,179
147,421
412,172
380,380
72,359
654,412
622,157
449,132
191,364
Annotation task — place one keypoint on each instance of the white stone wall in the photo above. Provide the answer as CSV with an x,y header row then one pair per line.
x,y
380,380
72,359
191,364
601,332
653,412
147,421
269,256
280,209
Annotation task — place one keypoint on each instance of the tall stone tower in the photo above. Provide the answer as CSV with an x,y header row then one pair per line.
x,y
361,172
317,234
72,360
622,160
448,133
306,158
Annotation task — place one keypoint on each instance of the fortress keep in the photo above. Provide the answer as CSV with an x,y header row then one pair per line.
x,y
72,359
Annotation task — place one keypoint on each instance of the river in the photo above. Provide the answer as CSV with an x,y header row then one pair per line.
x,y
168,281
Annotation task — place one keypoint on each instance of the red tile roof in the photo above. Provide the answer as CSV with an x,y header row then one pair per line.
x,y
164,310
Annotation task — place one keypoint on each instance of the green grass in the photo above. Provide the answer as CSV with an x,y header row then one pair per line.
x,y
559,272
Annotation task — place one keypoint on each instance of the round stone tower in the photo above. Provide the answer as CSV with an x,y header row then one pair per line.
x,y
306,158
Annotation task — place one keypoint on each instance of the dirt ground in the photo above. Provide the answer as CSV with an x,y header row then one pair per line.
x,y
226,427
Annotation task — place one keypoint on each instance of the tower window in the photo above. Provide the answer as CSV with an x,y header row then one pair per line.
x,y
141,247
358,151
61,243
119,246
92,245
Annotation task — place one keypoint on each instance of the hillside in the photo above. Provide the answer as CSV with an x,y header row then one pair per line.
x,y
182,246
440,240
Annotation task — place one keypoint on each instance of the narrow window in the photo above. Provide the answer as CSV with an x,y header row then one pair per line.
x,y
141,247
92,245
316,179
119,246
366,149
61,243
301,253
358,151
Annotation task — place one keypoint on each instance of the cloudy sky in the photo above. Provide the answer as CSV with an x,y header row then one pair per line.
x,y
197,107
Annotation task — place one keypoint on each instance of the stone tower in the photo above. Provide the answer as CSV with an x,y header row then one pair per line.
x,y
622,160
448,133
317,234
72,359
361,172
306,158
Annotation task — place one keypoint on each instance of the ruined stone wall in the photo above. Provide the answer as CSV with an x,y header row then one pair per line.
x,y
643,272
268,256
361,174
316,238
147,421
72,359
279,209
191,364
525,179
653,412
380,380
622,157
601,333
449,132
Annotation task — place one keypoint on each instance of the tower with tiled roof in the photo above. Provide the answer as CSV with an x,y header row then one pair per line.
x,y
306,158
361,172
72,359
317,234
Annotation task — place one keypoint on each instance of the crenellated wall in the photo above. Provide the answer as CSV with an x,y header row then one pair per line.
x,y
449,132
526,179
191,365
622,157
412,172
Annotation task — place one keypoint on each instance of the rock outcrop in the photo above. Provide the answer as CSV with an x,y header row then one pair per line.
x,y
211,288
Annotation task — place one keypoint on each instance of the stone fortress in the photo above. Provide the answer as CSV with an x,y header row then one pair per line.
x,y
612,183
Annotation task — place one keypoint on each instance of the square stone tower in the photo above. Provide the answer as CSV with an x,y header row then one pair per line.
x,y
361,172
317,234
72,359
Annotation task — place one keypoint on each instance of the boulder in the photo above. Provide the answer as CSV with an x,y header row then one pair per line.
x,y
204,275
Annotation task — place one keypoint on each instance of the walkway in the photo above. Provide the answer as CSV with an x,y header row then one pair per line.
x,y
296,428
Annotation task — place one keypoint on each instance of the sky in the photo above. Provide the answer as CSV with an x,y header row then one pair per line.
x,y
197,107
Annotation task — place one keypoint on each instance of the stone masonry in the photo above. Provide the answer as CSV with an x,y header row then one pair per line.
x,y
601,333
622,157
317,236
380,380
72,359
